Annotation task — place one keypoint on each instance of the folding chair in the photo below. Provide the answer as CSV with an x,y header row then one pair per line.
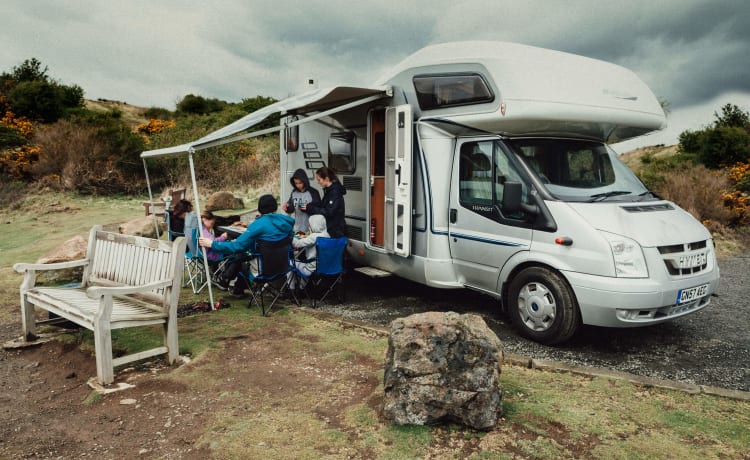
x,y
328,276
274,263
171,233
194,271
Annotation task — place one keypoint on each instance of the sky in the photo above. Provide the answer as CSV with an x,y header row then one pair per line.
x,y
693,54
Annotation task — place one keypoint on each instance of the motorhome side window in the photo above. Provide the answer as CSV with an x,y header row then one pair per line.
x,y
341,152
437,91
484,168
291,136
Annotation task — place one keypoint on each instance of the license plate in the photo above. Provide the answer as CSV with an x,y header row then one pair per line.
x,y
692,260
687,295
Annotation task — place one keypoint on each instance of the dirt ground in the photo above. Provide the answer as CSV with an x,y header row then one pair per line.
x,y
49,411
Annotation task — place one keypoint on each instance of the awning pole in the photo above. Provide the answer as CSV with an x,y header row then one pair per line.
x,y
197,207
151,200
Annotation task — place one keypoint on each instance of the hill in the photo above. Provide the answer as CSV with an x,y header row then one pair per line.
x,y
632,157
131,115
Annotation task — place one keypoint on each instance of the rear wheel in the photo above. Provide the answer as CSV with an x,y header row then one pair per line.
x,y
542,306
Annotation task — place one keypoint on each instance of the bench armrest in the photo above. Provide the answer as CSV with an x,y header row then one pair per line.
x,y
98,291
23,267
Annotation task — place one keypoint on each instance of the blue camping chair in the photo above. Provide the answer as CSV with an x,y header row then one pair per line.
x,y
194,273
328,276
274,260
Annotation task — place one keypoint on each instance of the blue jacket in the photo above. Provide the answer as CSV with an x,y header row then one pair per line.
x,y
272,227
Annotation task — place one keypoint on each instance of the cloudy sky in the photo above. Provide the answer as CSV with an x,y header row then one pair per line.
x,y
694,54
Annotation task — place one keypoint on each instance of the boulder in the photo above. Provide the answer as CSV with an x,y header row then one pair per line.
x,y
223,200
143,226
443,367
73,249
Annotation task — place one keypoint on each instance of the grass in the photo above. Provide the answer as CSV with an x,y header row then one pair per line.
x,y
546,415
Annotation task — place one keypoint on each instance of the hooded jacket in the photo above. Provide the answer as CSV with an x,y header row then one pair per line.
x,y
308,196
318,230
333,209
271,227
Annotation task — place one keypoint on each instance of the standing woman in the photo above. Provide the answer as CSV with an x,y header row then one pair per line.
x,y
332,205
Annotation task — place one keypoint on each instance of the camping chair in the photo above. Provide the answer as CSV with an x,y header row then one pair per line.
x,y
328,276
194,271
171,233
274,263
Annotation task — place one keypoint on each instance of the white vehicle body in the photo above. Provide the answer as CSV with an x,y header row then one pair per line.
x,y
400,164
485,165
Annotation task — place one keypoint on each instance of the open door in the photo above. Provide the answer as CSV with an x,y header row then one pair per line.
x,y
398,175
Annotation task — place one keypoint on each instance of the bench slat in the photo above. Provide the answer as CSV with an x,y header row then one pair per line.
x,y
76,300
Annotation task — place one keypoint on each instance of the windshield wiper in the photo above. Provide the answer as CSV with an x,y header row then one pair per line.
x,y
605,195
649,192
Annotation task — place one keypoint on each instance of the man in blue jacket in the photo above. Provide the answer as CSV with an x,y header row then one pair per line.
x,y
267,226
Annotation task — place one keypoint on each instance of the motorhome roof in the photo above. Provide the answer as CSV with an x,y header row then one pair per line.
x,y
539,91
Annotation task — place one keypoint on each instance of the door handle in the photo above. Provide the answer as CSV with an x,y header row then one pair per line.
x,y
453,215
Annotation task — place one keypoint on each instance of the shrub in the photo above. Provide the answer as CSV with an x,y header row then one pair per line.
x,y
724,146
698,190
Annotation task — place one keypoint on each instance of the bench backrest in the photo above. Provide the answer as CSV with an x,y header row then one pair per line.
x,y
120,260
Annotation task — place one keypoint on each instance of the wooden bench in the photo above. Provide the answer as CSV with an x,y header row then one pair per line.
x,y
127,281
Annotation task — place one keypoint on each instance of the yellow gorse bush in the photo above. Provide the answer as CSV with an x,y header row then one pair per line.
x,y
155,126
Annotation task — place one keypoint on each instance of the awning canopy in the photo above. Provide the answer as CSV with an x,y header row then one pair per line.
x,y
328,100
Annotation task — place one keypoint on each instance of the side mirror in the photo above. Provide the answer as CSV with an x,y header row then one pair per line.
x,y
512,197
513,200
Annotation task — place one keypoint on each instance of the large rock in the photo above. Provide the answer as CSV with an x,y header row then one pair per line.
x,y
443,367
73,249
223,200
143,226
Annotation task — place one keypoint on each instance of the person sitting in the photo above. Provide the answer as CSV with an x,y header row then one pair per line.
x,y
177,218
208,230
306,261
302,195
267,226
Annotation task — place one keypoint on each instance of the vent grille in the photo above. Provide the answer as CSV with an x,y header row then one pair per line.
x,y
685,259
354,232
649,207
353,183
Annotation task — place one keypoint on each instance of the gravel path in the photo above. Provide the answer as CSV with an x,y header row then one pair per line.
x,y
711,347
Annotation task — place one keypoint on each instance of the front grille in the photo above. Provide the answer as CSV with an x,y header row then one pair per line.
x,y
685,259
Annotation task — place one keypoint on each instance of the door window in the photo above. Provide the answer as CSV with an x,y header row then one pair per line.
x,y
484,167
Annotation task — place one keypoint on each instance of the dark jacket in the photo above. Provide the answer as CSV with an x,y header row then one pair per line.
x,y
333,209
301,175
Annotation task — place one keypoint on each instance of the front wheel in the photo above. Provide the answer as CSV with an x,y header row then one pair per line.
x,y
542,306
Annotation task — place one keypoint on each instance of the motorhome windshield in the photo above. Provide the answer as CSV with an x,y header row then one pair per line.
x,y
577,170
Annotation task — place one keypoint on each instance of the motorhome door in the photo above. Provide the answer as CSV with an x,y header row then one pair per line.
x,y
482,239
398,161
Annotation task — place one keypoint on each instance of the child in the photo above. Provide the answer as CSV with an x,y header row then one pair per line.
x,y
302,195
308,262
207,231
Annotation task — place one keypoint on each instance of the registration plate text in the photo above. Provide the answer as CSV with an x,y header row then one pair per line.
x,y
688,295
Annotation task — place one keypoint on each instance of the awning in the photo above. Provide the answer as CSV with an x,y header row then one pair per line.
x,y
327,100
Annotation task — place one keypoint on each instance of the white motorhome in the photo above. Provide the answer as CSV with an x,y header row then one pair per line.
x,y
485,165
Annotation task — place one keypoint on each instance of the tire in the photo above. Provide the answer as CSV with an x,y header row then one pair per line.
x,y
542,306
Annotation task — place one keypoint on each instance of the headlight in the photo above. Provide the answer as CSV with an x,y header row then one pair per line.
x,y
628,256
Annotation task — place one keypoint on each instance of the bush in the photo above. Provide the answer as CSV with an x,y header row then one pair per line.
x,y
724,146
89,155
699,191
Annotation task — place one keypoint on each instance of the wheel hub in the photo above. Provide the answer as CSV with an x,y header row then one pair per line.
x,y
536,306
